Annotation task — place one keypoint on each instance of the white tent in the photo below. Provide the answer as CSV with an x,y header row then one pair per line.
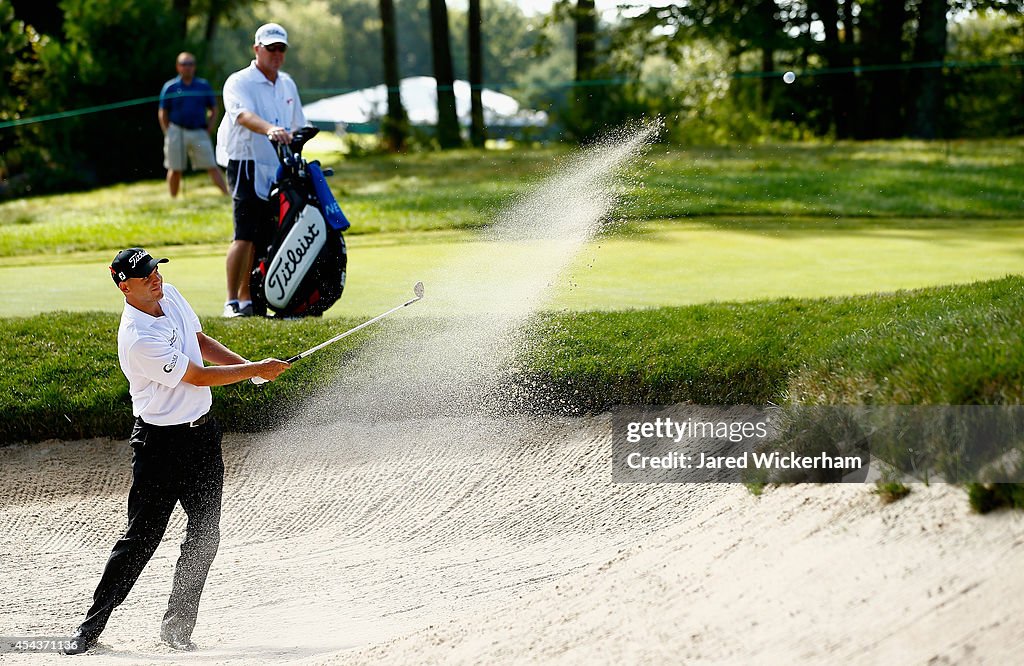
x,y
419,97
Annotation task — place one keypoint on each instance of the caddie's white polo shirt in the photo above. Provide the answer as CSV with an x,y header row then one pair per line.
x,y
154,354
276,102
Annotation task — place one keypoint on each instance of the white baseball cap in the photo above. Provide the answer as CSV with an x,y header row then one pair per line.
x,y
271,33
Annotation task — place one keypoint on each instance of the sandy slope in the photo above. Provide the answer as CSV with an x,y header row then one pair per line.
x,y
812,574
401,543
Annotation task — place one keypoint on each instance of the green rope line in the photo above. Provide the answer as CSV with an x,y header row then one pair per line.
x,y
77,112
589,83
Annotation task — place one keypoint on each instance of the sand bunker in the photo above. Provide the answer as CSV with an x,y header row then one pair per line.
x,y
383,546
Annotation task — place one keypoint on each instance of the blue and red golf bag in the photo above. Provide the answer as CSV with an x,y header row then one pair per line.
x,y
300,272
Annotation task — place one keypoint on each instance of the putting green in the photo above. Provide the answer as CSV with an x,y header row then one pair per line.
x,y
744,260
660,263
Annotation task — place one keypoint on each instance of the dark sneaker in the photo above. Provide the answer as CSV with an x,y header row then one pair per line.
x,y
79,643
177,642
246,311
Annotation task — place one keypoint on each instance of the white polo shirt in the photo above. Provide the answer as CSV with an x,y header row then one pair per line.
x,y
154,353
276,102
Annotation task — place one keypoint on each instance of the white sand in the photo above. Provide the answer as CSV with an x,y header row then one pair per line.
x,y
813,574
393,544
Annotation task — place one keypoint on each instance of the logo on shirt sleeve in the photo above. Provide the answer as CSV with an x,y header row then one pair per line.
x,y
170,366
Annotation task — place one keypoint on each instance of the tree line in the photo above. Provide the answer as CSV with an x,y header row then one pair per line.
x,y
711,69
882,66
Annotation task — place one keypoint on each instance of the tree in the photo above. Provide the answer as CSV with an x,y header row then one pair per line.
x,y
477,133
316,35
395,123
447,116
766,18
898,46
762,28
361,23
985,101
586,40
22,86
216,12
92,65
181,9
46,18
927,81
842,85
882,27
507,37
586,59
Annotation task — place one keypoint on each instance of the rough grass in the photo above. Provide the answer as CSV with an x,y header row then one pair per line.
x,y
872,179
890,491
62,378
948,345
992,496
464,189
415,192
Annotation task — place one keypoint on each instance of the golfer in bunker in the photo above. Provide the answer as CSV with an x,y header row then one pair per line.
x,y
176,444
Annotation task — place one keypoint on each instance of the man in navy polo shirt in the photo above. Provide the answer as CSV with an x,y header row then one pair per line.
x,y
188,111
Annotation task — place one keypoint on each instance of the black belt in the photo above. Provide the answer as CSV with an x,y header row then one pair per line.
x,y
201,421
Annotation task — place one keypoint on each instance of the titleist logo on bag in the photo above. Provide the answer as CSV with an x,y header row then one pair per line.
x,y
295,257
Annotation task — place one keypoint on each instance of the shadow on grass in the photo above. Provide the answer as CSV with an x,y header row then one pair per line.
x,y
801,227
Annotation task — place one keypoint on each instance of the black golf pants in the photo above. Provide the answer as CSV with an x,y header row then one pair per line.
x,y
170,464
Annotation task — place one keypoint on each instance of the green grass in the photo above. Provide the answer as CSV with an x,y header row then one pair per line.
x,y
465,189
381,270
706,260
406,193
987,497
890,491
946,345
875,179
657,264
62,378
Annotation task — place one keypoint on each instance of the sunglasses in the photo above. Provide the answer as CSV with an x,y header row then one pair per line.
x,y
188,63
276,48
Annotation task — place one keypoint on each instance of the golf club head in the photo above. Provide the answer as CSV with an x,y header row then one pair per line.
x,y
418,289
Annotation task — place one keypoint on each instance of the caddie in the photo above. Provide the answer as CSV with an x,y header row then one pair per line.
x,y
176,444
261,105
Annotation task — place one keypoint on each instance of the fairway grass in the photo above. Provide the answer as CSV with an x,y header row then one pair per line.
x,y
650,265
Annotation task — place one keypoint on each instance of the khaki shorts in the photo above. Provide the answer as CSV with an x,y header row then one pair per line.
x,y
193,143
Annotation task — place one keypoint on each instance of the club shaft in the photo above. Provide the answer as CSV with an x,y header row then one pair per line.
x,y
351,331
418,289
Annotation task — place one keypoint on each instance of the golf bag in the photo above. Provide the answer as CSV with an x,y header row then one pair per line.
x,y
300,272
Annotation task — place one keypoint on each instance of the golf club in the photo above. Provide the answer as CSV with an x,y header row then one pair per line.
x,y
417,289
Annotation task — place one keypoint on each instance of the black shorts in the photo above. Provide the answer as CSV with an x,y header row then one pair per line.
x,y
255,218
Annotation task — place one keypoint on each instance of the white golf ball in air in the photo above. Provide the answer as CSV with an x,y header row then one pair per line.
x,y
789,77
